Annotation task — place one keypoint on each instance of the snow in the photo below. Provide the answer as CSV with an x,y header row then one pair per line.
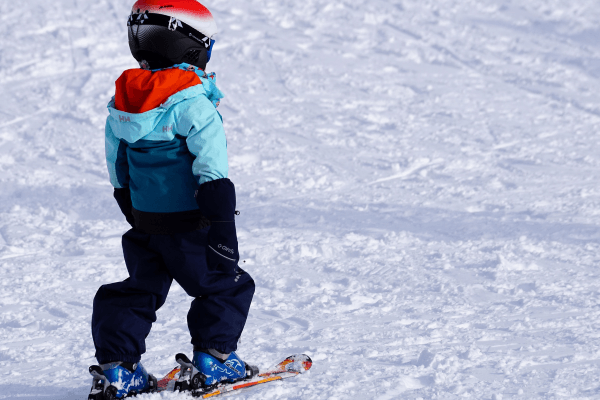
x,y
418,182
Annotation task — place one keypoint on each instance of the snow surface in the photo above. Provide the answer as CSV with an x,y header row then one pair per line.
x,y
418,181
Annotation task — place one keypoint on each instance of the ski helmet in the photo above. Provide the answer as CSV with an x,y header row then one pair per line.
x,y
163,33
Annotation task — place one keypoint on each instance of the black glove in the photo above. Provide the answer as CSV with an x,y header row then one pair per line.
x,y
216,200
123,197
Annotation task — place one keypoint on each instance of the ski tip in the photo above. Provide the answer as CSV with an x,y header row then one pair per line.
x,y
307,363
297,363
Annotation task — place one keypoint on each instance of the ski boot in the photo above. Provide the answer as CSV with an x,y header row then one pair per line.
x,y
118,380
208,369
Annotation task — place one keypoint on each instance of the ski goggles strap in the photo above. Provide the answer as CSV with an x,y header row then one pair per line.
x,y
172,23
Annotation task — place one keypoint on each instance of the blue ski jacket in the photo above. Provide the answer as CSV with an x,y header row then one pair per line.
x,y
164,138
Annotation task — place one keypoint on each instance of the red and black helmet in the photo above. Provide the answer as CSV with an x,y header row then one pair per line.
x,y
163,33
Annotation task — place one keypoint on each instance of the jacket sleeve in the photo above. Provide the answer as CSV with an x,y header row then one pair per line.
x,y
206,141
116,159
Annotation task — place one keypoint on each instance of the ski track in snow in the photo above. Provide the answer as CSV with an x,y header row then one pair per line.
x,y
418,181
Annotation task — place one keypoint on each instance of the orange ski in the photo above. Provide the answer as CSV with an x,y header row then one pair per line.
x,y
288,368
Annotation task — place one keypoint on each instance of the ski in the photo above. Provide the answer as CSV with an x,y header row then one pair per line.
x,y
290,367
168,381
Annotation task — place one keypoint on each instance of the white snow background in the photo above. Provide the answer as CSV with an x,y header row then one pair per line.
x,y
418,180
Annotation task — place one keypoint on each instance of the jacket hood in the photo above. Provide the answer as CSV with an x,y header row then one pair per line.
x,y
139,90
142,98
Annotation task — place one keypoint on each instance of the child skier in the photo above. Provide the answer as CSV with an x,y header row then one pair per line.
x,y
167,158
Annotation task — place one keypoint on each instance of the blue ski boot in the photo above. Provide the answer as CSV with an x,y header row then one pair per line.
x,y
118,380
208,368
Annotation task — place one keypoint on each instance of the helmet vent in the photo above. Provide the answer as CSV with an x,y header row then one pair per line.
x,y
191,57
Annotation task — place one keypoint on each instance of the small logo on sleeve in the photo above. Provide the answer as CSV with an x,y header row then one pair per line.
x,y
227,249
167,128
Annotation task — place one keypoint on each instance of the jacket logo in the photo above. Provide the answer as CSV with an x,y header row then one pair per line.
x,y
174,23
168,128
124,119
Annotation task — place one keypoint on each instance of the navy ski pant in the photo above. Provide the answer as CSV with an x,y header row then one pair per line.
x,y
124,311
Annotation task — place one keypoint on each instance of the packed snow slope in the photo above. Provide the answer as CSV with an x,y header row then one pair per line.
x,y
418,182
